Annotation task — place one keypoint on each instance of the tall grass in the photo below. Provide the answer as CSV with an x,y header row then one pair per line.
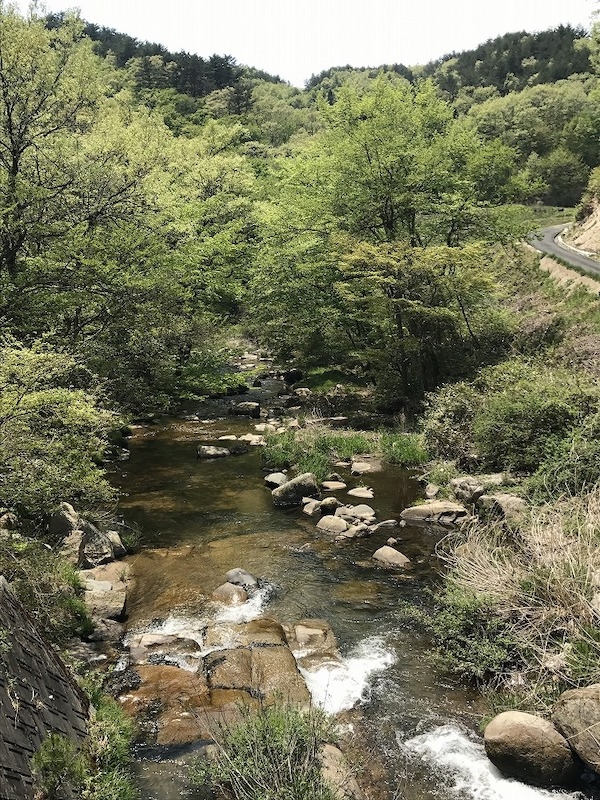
x,y
543,583
272,754
316,448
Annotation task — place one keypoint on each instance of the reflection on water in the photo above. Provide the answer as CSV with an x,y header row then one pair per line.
x,y
202,518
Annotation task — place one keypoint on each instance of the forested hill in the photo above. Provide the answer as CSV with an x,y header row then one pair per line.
x,y
155,67
507,63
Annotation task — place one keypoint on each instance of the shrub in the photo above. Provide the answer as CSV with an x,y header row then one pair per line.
x,y
448,423
273,754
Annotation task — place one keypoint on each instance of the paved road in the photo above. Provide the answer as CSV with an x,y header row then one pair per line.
x,y
545,242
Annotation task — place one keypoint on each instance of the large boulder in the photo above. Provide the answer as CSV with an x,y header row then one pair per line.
x,y
246,409
95,548
230,594
292,492
436,512
240,577
467,489
388,557
530,749
577,716
63,521
339,774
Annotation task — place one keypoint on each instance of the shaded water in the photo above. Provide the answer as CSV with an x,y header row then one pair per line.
x,y
202,518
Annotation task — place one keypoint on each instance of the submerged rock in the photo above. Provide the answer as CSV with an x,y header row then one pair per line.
x,y
210,451
530,749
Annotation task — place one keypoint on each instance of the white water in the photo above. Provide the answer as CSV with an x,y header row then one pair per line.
x,y
246,612
468,772
339,685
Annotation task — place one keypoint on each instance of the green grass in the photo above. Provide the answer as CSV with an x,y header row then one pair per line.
x,y
315,449
321,380
273,754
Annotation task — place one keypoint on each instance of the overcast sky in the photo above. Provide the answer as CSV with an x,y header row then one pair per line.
x,y
295,39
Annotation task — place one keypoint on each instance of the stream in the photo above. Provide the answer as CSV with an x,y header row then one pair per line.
x,y
201,518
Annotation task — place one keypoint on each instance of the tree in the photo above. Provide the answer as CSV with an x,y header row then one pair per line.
x,y
49,87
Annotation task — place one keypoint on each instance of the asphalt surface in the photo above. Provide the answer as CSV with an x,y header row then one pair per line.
x,y
545,242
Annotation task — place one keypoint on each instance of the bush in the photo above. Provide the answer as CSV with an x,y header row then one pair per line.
x,y
52,432
47,586
519,427
273,754
448,423
96,770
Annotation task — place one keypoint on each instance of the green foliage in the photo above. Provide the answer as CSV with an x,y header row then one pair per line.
x,y
273,754
316,449
51,432
47,586
516,429
95,770
471,638
59,766
448,423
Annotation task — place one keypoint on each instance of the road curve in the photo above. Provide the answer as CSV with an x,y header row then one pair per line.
x,y
545,241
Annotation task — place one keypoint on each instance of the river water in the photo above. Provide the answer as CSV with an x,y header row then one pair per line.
x,y
201,518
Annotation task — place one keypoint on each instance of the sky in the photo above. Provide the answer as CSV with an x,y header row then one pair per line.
x,y
296,39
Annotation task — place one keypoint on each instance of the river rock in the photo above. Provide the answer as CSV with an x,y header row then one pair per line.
x,y
362,491
329,505
371,465
292,375
63,521
9,521
277,678
253,439
358,531
207,451
530,749
505,506
360,512
155,648
240,577
229,669
436,512
312,507
230,594
577,716
246,409
467,489
313,634
292,492
384,525
338,774
119,549
389,557
275,479
332,524
265,427
333,486
431,491
96,547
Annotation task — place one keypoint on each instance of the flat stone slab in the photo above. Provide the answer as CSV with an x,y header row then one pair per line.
x,y
440,512
333,486
275,479
363,492
366,465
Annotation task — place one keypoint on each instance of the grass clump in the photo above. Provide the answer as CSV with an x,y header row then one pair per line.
x,y
98,769
314,449
524,600
273,754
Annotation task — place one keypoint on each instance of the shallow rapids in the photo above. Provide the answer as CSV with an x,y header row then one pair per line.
x,y
201,519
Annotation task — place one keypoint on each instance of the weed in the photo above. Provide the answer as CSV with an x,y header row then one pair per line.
x,y
273,754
